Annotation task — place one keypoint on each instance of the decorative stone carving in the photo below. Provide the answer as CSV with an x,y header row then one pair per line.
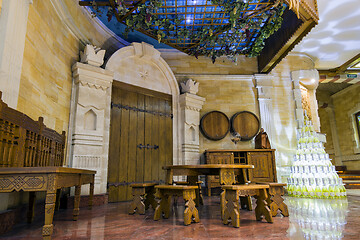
x,y
92,55
90,122
189,86
190,106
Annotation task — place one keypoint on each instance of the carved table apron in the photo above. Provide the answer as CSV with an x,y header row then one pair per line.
x,y
49,179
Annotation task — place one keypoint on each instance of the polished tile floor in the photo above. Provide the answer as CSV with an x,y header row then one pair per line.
x,y
309,219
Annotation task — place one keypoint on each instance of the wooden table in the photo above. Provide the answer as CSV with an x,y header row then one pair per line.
x,y
226,172
49,179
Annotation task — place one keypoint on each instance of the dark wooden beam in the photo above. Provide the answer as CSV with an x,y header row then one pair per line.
x,y
132,9
98,3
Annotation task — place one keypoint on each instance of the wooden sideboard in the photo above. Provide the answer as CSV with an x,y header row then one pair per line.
x,y
262,159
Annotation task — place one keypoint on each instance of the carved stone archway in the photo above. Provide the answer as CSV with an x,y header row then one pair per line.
x,y
140,64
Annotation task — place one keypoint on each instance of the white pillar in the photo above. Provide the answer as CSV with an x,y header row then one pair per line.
x,y
90,120
13,24
190,106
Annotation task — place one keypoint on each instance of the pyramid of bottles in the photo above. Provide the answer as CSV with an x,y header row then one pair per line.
x,y
317,218
312,174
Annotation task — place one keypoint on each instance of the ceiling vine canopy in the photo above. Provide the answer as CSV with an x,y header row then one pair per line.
x,y
211,28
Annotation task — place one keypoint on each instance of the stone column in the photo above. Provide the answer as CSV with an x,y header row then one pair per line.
x,y
335,138
190,106
13,25
264,85
310,80
90,116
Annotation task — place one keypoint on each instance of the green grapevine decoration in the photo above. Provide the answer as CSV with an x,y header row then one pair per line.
x,y
211,41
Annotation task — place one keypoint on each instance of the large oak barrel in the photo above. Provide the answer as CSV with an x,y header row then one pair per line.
x,y
214,125
245,124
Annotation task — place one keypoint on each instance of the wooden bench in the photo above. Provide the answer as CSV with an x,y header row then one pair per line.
x,y
143,197
31,159
232,209
165,192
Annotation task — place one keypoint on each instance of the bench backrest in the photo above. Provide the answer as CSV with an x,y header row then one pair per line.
x,y
28,143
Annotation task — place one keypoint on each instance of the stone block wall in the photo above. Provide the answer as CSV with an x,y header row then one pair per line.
x,y
346,103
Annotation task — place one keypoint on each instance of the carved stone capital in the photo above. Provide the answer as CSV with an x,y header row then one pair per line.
x,y
189,86
191,102
92,77
92,55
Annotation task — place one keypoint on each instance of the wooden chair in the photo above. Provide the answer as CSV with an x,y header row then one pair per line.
x,y
143,197
165,192
231,211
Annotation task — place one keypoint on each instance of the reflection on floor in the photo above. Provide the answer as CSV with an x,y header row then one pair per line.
x,y
313,219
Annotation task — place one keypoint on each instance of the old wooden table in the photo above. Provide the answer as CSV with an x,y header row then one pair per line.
x,y
226,172
49,179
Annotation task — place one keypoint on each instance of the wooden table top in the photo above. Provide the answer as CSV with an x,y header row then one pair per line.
x,y
209,166
239,150
40,170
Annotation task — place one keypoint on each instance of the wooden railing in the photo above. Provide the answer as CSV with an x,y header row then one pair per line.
x,y
28,143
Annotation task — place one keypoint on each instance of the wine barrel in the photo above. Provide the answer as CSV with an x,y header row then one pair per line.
x,y
214,125
245,124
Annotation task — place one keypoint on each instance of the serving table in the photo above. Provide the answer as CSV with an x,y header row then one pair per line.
x,y
49,179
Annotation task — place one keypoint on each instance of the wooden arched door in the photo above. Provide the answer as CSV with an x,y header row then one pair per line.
x,y
140,139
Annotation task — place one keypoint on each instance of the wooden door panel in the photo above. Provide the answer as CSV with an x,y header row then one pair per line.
x,y
114,151
263,168
123,158
135,121
148,139
132,141
140,136
169,134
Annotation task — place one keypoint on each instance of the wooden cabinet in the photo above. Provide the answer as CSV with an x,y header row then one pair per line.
x,y
262,159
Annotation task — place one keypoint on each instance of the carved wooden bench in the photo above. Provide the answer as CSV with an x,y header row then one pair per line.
x,y
143,197
231,205
31,160
165,192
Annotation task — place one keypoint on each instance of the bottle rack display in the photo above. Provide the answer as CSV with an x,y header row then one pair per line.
x,y
316,218
312,173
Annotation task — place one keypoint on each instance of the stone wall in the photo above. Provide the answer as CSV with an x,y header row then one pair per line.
x,y
346,103
51,48
325,108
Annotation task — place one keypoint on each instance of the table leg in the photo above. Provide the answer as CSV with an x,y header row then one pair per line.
x,y
57,203
32,200
76,202
91,196
169,176
49,214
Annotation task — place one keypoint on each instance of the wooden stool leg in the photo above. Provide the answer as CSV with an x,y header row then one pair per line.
x,y
32,200
49,214
199,194
231,210
262,208
190,213
163,207
150,198
76,202
276,201
137,204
